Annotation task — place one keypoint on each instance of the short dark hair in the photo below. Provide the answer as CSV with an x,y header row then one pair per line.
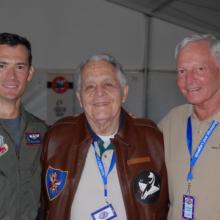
x,y
14,40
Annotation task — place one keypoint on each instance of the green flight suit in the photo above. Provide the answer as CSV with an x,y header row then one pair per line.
x,y
20,173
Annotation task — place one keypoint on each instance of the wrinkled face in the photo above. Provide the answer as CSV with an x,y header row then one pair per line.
x,y
198,76
15,71
101,95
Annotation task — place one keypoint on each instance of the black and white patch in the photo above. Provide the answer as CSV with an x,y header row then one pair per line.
x,y
147,186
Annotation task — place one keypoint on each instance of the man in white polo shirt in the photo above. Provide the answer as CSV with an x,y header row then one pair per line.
x,y
192,132
103,164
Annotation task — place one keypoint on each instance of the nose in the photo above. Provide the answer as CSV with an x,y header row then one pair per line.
x,y
99,90
11,74
190,76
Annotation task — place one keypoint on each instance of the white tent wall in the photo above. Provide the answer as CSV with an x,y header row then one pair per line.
x,y
162,92
63,33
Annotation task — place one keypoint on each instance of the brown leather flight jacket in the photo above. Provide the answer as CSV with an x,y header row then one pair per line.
x,y
139,162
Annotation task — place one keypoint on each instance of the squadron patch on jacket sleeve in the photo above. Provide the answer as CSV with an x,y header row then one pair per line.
x,y
55,182
147,186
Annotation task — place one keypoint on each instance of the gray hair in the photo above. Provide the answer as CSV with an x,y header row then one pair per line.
x,y
103,57
214,44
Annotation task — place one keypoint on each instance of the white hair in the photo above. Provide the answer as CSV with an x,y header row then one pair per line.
x,y
103,57
214,44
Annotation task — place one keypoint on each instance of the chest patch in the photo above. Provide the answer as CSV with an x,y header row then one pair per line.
x,y
55,182
33,138
147,186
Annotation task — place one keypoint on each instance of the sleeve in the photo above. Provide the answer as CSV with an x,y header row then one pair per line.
x,y
44,197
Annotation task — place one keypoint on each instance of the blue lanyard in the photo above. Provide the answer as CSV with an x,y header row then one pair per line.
x,y
102,171
200,147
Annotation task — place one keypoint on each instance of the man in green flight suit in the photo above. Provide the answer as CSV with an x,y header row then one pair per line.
x,y
21,133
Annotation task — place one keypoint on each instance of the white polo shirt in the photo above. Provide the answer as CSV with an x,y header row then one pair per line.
x,y
90,192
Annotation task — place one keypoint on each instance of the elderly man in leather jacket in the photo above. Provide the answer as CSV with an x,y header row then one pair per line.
x,y
103,164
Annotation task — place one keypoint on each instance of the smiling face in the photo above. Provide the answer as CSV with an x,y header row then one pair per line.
x,y
15,72
101,95
198,76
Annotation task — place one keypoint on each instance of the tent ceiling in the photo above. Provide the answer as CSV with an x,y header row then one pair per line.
x,y
198,15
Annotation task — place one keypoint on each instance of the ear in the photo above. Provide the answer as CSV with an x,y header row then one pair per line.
x,y
79,98
30,74
124,93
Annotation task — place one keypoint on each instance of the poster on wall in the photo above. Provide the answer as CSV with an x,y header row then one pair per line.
x,y
60,96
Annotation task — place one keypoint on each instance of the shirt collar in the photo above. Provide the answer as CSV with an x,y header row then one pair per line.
x,y
95,137
216,116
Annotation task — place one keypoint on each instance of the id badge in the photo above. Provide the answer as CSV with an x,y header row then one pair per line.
x,y
188,207
105,213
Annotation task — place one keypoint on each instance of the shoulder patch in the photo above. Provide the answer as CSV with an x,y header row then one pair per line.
x,y
55,181
3,146
147,186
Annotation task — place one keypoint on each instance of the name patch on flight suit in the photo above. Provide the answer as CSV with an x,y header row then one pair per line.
x,y
147,186
55,182
33,138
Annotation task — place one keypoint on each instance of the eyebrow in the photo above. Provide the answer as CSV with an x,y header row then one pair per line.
x,y
25,64
21,63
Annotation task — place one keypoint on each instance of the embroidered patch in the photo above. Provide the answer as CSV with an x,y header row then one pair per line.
x,y
55,182
3,146
33,138
147,186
